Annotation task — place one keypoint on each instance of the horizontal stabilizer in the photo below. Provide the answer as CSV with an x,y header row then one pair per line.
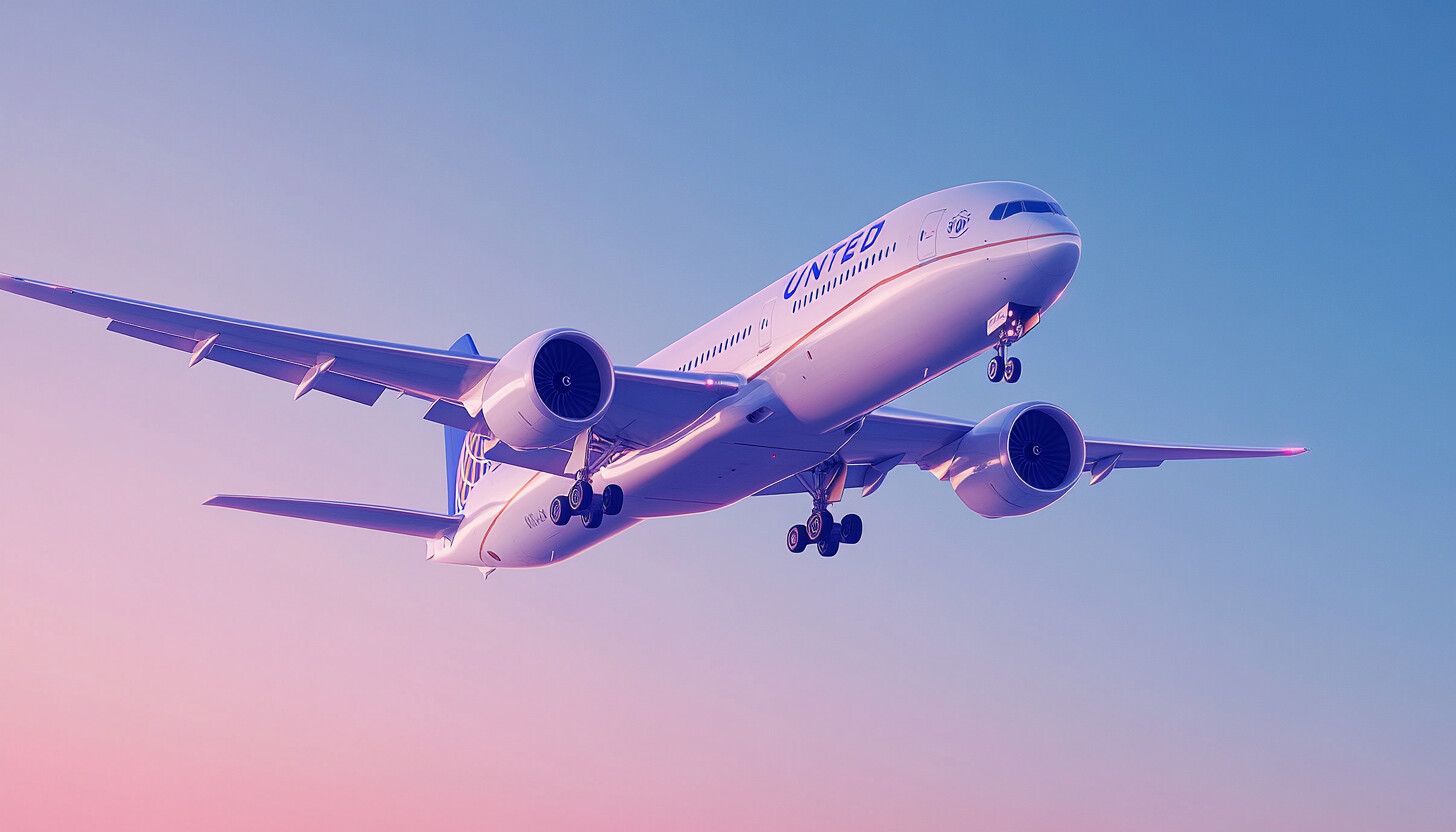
x,y
377,518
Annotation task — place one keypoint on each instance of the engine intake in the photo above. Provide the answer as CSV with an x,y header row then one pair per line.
x,y
547,389
1018,460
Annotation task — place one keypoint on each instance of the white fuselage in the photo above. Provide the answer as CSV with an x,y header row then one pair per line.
x,y
888,308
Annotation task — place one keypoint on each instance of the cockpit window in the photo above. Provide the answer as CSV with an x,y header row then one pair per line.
x,y
1007,209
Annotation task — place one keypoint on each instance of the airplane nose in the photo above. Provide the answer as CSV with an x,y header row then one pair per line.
x,y
1053,245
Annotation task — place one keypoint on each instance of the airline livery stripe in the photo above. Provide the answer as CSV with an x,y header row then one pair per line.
x,y
892,277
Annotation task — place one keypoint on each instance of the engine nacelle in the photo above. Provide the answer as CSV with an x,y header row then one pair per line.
x,y
547,389
1018,460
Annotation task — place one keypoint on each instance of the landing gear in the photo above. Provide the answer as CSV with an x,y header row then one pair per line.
x,y
829,546
825,483
592,517
1008,325
590,507
798,538
1002,367
561,512
612,499
1013,370
580,495
820,520
581,500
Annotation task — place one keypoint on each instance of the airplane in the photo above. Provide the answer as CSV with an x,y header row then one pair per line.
x,y
551,448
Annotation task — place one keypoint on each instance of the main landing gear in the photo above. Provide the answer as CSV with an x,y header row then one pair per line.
x,y
825,483
581,501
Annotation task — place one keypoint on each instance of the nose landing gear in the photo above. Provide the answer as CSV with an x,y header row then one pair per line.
x,y
1003,367
1009,324
825,483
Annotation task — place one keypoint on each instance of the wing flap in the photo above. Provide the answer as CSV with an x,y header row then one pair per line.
x,y
375,518
165,339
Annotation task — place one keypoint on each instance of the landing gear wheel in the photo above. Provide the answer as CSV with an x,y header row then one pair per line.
x,y
561,511
592,517
829,546
798,538
580,495
612,497
819,522
1013,370
850,529
996,369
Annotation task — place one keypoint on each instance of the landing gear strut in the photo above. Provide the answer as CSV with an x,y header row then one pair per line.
x,y
581,501
825,483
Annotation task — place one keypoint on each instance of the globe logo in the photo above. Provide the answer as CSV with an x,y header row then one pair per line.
x,y
958,224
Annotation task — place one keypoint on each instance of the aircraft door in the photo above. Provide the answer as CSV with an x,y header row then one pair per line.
x,y
765,327
929,230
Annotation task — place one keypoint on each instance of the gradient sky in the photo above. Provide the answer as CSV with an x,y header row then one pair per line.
x,y
1264,198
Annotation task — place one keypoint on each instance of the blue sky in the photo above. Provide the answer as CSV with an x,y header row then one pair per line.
x,y
1262,194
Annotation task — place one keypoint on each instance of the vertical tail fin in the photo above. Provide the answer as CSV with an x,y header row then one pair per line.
x,y
455,437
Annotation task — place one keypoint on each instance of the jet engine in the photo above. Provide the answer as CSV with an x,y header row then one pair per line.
x,y
547,389
1018,460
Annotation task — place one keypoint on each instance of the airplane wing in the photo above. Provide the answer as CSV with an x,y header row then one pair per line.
x,y
648,405
376,518
891,437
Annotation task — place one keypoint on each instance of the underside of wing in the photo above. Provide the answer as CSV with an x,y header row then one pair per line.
x,y
888,437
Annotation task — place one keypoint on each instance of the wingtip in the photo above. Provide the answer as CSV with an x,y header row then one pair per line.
x,y
1295,451
19,285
